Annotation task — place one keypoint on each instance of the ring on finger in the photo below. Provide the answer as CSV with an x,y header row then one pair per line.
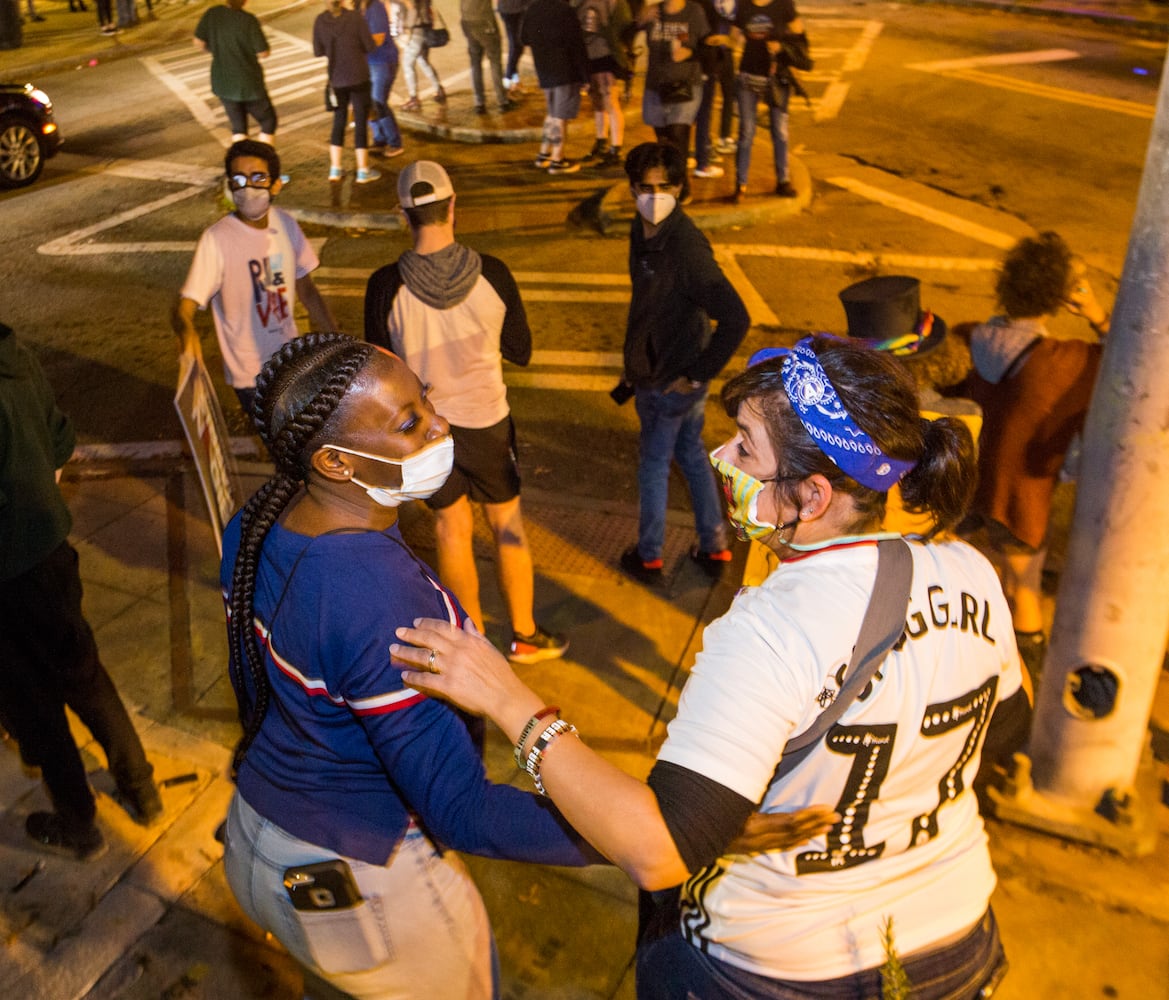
x,y
430,660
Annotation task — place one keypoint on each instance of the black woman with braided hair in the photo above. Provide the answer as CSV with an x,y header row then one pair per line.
x,y
350,786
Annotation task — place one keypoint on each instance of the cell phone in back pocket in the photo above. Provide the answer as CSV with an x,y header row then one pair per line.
x,y
326,885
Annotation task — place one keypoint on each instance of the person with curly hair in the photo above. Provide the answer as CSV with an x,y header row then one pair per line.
x,y
1034,391
341,766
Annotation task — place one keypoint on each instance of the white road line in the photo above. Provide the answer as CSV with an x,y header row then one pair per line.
x,y
71,244
1115,105
761,314
939,218
199,109
969,70
866,258
858,53
578,359
831,101
1003,59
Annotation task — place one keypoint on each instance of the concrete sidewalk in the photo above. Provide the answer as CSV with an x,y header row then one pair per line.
x,y
154,917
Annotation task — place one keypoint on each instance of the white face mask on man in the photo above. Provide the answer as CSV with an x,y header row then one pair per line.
x,y
423,473
252,203
654,207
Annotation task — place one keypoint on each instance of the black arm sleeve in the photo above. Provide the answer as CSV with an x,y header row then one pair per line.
x,y
380,292
515,339
1006,734
701,815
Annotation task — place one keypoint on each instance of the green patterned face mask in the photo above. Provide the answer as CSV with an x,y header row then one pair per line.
x,y
742,492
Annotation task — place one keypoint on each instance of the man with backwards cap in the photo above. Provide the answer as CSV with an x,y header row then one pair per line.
x,y
453,314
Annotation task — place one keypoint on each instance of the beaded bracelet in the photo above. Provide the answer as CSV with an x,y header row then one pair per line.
x,y
527,731
545,740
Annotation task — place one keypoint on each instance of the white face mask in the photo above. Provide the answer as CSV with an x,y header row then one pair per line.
x,y
252,203
655,207
423,473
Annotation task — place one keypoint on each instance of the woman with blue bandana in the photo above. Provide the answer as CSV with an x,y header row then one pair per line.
x,y
824,430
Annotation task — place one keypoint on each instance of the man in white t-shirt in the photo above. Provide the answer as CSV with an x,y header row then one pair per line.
x,y
250,267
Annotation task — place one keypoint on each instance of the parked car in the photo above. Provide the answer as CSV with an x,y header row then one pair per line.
x,y
28,133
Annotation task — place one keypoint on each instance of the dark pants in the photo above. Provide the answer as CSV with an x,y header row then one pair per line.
x,y
358,95
515,48
260,109
673,969
48,659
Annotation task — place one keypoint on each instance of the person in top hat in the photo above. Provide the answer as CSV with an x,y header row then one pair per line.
x,y
885,313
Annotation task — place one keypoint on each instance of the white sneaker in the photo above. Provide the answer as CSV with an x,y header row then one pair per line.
x,y
713,170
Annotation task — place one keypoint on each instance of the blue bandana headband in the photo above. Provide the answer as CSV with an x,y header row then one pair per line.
x,y
828,423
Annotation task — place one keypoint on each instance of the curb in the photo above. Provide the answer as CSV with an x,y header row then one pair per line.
x,y
466,133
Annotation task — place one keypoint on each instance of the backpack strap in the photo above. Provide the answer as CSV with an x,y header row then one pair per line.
x,y
882,626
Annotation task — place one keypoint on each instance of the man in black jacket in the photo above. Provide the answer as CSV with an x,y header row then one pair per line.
x,y
48,657
671,354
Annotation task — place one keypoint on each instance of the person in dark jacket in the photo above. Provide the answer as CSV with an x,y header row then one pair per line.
x,y
551,30
671,355
48,657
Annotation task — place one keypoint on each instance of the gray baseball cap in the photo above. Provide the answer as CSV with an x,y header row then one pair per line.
x,y
423,183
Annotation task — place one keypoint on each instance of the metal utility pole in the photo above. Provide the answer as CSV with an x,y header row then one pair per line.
x,y
1086,774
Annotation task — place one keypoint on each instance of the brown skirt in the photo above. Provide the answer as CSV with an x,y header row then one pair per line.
x,y
1029,421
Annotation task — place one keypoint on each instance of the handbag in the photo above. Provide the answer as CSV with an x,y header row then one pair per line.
x,y
435,34
675,91
881,628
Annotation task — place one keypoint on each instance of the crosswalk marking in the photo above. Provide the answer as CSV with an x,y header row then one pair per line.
x,y
971,70
291,72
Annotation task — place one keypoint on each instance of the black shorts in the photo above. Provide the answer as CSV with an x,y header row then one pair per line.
x,y
486,466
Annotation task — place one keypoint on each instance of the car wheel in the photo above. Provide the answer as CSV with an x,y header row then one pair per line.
x,y
21,156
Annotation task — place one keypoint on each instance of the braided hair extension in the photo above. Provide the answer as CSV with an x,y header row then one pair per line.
x,y
297,393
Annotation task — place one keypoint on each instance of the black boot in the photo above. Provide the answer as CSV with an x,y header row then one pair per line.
x,y
51,831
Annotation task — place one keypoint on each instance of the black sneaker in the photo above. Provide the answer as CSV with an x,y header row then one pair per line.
x,y
144,804
480,109
638,568
51,832
563,167
596,154
612,157
712,563
785,189
543,161
540,645
508,105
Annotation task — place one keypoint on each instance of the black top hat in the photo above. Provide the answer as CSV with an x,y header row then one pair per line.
x,y
886,312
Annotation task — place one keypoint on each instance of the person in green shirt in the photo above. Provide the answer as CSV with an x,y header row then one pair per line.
x,y
237,44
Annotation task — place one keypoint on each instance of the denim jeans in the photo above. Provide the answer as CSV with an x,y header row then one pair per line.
x,y
748,103
721,73
385,126
671,427
673,969
421,919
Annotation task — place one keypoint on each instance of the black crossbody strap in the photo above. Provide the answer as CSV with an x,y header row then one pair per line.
x,y
882,626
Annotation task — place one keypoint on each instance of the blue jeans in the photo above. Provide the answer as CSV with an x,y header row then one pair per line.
x,y
673,969
671,427
748,102
385,126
